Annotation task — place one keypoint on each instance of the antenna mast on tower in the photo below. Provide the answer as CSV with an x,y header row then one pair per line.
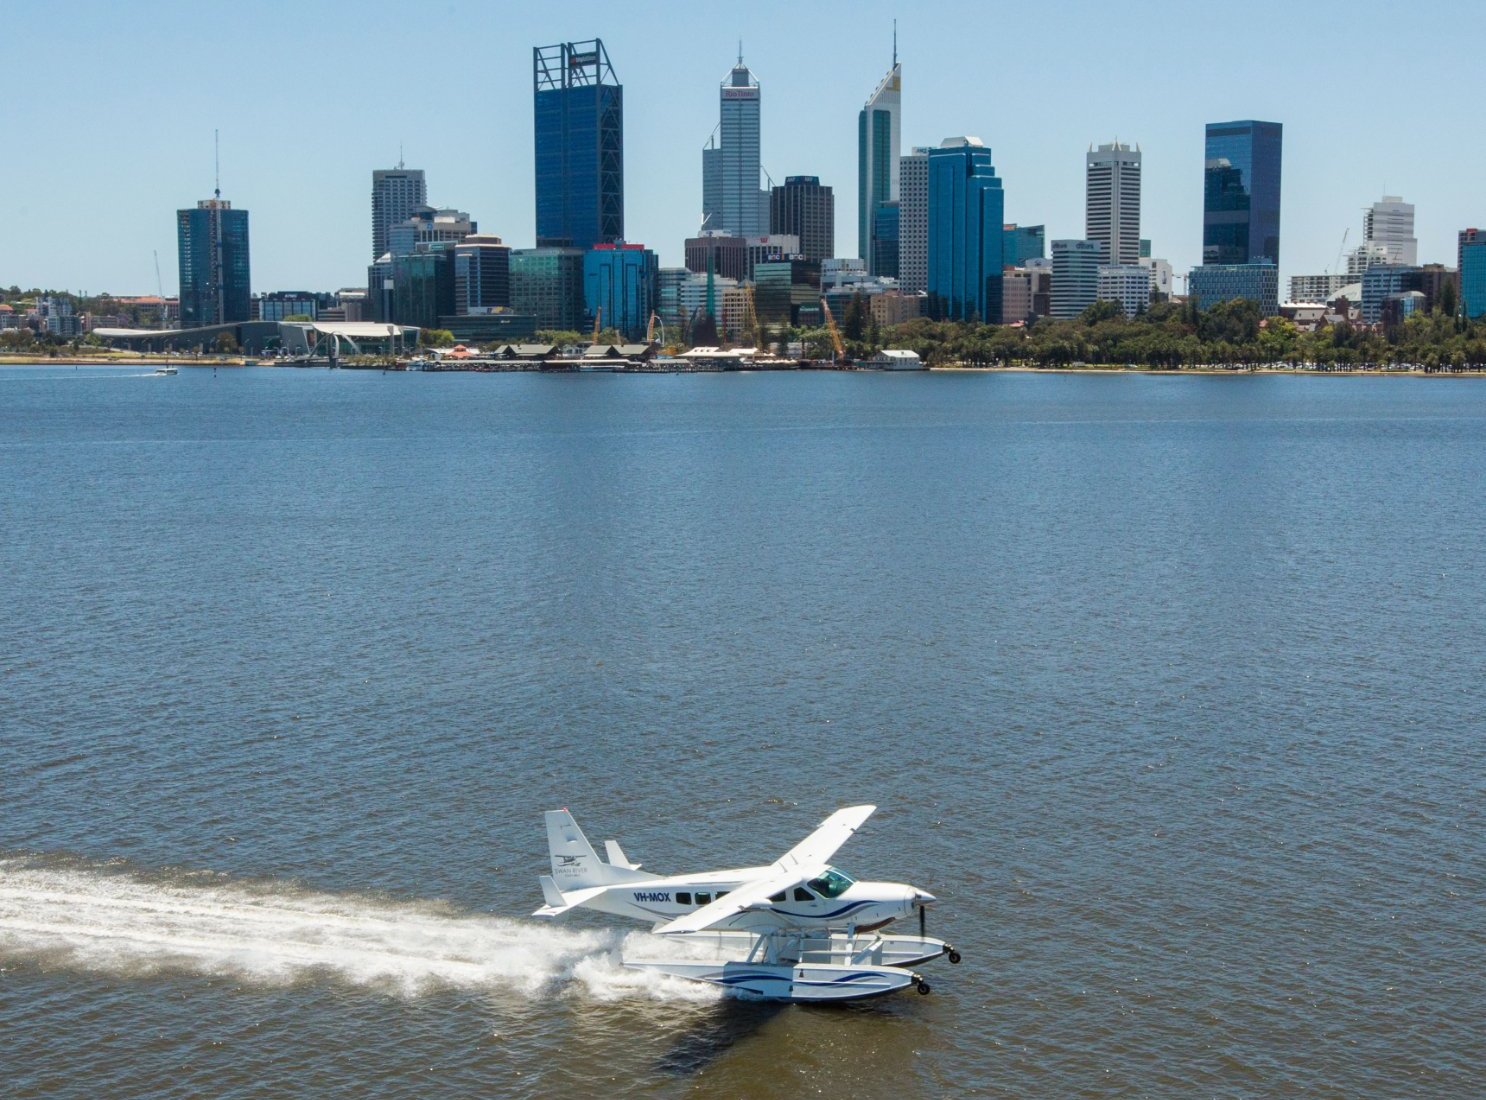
x,y
217,163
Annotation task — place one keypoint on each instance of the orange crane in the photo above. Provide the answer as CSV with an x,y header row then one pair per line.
x,y
835,332
650,329
597,316
752,318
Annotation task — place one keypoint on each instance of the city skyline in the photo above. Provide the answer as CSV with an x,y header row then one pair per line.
x,y
477,150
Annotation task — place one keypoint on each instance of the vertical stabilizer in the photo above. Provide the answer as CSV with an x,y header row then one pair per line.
x,y
574,862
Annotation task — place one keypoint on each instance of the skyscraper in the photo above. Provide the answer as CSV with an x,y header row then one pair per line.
x,y
913,221
1390,224
1241,193
732,200
396,193
579,123
216,285
805,209
1112,202
1470,258
966,206
621,285
482,274
1076,266
879,137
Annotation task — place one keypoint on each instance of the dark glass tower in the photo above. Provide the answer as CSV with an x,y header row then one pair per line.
x,y
579,145
966,205
216,287
1241,193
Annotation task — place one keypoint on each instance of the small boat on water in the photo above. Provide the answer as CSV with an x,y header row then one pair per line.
x,y
167,368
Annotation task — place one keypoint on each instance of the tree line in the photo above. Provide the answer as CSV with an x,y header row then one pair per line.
x,y
1169,336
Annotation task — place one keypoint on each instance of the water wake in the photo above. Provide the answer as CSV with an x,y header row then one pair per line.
x,y
97,919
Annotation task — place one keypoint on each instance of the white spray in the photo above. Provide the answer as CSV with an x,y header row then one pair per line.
x,y
94,919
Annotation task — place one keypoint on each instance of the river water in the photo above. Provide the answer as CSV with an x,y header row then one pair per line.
x,y
1169,688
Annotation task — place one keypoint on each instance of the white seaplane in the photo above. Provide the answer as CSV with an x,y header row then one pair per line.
x,y
796,930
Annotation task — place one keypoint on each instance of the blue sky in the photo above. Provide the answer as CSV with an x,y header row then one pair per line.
x,y
112,108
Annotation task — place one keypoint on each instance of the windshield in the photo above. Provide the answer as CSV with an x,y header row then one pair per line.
x,y
832,884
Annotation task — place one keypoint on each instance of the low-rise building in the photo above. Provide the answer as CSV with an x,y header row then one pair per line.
x,y
1127,284
1259,283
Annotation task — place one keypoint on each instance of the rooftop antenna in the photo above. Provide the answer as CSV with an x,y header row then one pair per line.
x,y
895,43
740,53
399,154
217,162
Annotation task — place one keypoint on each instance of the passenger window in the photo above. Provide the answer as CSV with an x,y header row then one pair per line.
x,y
704,899
683,897
802,894
777,897
722,894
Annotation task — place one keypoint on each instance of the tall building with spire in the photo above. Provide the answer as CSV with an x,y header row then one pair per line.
x,y
212,249
879,137
396,193
1112,202
732,200
579,130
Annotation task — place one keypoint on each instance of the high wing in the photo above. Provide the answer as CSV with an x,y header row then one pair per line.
x,y
799,865
818,848
748,896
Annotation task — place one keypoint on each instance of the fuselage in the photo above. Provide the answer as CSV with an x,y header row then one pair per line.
x,y
860,906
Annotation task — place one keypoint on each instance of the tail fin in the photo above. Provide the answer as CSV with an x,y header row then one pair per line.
x,y
575,864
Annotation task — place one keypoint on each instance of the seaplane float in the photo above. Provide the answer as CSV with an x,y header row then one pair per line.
x,y
798,929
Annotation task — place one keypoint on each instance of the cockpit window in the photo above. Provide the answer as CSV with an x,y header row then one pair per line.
x,y
832,884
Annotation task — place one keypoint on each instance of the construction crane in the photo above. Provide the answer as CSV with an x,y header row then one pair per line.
x,y
650,329
598,315
751,318
1337,267
835,332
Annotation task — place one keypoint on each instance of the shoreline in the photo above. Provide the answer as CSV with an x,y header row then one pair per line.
x,y
1308,372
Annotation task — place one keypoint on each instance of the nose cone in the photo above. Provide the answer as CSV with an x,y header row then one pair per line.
x,y
923,897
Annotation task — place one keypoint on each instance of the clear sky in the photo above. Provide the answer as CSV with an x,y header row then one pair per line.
x,y
112,107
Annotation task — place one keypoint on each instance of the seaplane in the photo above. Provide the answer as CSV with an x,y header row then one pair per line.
x,y
796,930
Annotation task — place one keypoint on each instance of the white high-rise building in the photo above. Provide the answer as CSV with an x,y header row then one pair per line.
x,y
396,193
1112,202
732,200
1390,223
879,137
913,221
1128,284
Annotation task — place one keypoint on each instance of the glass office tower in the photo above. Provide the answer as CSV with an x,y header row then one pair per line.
x,y
965,232
212,242
1241,193
879,133
579,125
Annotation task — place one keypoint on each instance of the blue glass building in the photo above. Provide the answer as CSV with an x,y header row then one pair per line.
x,y
966,211
212,248
579,145
1214,283
885,229
1472,260
1381,282
1023,243
621,287
1241,193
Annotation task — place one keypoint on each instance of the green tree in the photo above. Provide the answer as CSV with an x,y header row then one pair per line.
x,y
435,338
225,344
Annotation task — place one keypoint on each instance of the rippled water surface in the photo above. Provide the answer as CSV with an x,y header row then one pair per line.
x,y
1171,689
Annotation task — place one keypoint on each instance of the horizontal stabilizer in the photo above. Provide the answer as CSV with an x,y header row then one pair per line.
x,y
617,858
558,902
